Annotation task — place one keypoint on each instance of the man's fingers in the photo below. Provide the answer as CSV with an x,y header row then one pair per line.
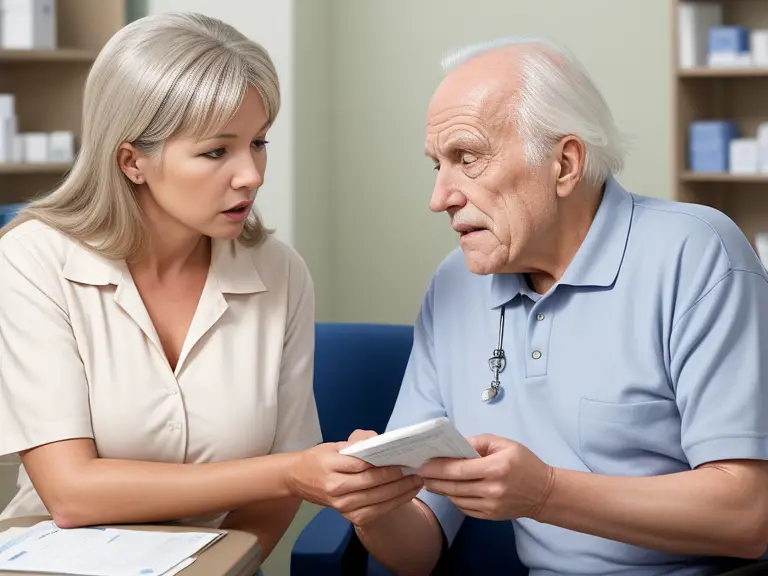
x,y
454,469
453,488
378,494
485,444
475,507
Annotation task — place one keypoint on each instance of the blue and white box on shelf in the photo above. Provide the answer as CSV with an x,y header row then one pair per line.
x,y
709,143
729,46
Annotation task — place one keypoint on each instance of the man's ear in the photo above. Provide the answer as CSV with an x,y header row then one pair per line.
x,y
571,154
129,158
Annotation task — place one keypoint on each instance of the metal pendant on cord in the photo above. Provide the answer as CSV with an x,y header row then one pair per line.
x,y
496,363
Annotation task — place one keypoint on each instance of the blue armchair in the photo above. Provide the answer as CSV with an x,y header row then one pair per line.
x,y
358,370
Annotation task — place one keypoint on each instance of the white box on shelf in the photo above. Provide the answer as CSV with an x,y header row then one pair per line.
x,y
7,105
744,156
759,46
28,24
730,59
18,149
36,147
61,147
762,147
694,21
8,127
761,243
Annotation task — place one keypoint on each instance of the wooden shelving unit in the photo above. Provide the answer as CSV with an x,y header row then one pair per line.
x,y
61,55
51,168
48,85
740,95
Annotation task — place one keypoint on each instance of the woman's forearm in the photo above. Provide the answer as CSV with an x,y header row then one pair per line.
x,y
79,489
708,511
267,520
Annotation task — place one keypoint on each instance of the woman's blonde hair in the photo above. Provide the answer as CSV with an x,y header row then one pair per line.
x,y
160,76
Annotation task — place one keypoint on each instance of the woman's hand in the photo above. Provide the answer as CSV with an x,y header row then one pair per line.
x,y
359,491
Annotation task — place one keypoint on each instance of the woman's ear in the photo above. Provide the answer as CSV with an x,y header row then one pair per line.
x,y
128,159
571,154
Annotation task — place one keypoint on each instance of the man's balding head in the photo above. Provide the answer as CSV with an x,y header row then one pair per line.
x,y
514,129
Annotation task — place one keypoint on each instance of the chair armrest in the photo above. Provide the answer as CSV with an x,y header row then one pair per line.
x,y
328,545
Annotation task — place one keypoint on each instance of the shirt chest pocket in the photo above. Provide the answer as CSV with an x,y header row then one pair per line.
x,y
631,439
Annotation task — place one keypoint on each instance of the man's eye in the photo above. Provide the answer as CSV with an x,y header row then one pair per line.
x,y
468,158
214,154
436,167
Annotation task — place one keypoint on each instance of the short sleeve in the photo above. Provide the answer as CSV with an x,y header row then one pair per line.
x,y
43,389
420,399
298,424
719,365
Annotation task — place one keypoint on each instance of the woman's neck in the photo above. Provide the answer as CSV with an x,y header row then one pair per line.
x,y
172,248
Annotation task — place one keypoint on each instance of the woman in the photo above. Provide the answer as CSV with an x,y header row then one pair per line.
x,y
156,343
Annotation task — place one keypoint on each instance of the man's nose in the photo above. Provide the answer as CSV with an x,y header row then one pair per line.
x,y
445,196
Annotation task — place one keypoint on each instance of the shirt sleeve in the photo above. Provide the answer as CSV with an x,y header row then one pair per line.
x,y
43,388
420,399
298,424
719,364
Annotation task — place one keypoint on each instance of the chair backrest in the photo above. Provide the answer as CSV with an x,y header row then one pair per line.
x,y
358,371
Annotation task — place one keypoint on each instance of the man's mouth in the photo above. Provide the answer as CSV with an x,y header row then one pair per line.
x,y
466,231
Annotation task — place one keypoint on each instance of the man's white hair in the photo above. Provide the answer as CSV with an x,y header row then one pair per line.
x,y
556,98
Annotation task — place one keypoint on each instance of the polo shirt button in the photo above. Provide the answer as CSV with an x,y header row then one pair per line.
x,y
539,317
174,426
536,355
172,391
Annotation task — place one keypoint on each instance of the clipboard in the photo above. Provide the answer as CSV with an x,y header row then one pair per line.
x,y
236,554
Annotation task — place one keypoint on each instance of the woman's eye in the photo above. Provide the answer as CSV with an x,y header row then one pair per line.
x,y
259,144
436,167
217,153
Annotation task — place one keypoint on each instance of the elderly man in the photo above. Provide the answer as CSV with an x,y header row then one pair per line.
x,y
606,353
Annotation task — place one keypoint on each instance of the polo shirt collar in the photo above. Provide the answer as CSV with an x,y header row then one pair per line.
x,y
231,265
599,258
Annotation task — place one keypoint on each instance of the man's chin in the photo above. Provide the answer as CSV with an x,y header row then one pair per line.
x,y
480,264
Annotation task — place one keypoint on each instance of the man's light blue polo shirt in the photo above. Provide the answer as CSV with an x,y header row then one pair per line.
x,y
649,356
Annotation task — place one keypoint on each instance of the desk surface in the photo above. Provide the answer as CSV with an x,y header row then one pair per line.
x,y
236,554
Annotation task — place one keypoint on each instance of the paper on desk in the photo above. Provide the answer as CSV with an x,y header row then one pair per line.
x,y
100,551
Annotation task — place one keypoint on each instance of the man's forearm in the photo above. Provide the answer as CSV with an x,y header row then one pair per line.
x,y
408,541
708,511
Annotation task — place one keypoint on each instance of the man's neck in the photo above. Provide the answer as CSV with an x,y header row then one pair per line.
x,y
575,217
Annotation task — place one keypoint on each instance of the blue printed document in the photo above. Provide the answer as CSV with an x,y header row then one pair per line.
x,y
46,549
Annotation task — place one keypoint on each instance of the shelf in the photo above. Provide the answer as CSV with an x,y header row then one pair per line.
x,y
723,177
33,168
707,72
60,55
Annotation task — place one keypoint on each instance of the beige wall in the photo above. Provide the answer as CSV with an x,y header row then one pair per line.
x,y
385,57
313,138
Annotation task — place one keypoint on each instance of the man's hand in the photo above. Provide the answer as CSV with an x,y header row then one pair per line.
x,y
359,491
508,481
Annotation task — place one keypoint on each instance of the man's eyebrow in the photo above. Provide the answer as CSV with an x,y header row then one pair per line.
x,y
461,141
